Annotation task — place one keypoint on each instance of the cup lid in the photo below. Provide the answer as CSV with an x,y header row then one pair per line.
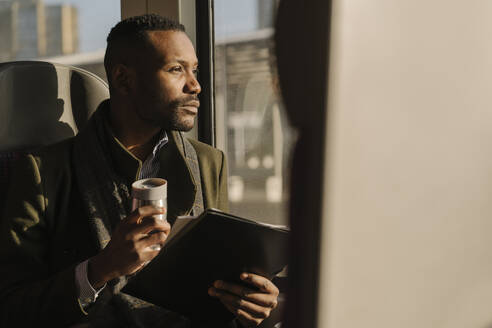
x,y
150,189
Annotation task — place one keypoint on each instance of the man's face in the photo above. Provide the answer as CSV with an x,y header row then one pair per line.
x,y
166,92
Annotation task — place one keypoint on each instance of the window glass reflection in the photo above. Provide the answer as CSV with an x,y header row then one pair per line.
x,y
251,125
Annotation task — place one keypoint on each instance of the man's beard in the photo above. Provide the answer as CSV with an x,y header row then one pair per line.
x,y
174,118
176,122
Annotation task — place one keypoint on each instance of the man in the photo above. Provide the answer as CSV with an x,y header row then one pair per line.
x,y
69,239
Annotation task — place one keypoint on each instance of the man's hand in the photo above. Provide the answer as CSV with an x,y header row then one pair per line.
x,y
250,305
128,250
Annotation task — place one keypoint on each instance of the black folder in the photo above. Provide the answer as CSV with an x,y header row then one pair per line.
x,y
213,246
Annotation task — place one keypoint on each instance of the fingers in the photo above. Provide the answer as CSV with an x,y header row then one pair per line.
x,y
237,304
247,320
148,224
145,255
144,211
156,238
250,304
253,295
260,282
142,221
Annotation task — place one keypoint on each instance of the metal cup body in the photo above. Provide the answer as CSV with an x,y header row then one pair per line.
x,y
145,194
161,203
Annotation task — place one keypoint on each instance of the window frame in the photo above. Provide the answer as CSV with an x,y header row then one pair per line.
x,y
205,42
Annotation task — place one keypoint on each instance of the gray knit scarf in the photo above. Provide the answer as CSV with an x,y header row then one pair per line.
x,y
106,197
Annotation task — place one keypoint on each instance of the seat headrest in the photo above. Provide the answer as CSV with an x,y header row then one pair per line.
x,y
42,103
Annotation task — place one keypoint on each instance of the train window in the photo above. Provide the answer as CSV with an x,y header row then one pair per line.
x,y
71,32
251,126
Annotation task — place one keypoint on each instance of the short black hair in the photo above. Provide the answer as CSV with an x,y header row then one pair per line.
x,y
130,33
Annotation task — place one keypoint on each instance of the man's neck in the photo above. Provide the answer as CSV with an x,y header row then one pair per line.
x,y
137,136
142,151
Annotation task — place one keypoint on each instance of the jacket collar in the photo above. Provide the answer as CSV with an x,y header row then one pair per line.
x,y
181,188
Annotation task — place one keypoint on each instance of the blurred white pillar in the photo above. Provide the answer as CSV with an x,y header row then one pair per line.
x,y
407,210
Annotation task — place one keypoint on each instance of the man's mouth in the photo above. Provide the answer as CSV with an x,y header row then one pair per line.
x,y
191,106
193,103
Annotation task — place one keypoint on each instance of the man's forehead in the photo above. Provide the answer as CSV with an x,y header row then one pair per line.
x,y
172,45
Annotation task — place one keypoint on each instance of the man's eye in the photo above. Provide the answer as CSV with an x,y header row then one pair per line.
x,y
195,71
176,69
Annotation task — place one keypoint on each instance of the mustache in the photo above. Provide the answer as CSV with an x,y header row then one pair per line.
x,y
185,101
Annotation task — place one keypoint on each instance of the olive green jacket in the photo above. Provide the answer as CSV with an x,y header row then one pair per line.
x,y
45,234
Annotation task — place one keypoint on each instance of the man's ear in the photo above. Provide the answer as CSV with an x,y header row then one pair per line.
x,y
123,79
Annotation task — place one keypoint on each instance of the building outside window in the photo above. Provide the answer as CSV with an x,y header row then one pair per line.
x,y
66,32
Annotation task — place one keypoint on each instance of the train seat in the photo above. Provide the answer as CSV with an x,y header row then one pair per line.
x,y
42,103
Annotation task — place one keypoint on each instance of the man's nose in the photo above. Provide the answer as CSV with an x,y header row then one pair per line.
x,y
192,86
